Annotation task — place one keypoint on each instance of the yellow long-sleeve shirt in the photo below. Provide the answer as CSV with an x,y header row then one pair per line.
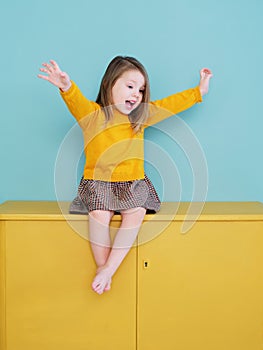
x,y
114,152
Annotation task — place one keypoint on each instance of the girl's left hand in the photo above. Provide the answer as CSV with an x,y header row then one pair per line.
x,y
206,73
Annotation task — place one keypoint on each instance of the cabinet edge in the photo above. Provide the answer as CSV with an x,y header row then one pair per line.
x,y
2,285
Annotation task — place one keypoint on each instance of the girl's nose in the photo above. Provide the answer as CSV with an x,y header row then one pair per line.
x,y
136,94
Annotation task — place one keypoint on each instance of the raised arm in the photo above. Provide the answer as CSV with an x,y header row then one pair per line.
x,y
176,103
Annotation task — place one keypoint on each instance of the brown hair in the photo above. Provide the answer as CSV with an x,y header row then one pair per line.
x,y
115,69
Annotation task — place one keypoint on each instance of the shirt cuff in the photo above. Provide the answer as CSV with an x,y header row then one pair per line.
x,y
70,90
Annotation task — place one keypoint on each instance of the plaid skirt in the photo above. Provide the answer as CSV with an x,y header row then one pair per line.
x,y
117,196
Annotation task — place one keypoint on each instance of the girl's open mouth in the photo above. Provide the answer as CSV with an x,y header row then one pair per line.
x,y
130,104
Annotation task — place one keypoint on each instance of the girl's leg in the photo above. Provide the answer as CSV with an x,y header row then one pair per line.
x,y
99,235
126,235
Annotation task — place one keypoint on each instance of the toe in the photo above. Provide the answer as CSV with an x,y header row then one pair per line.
x,y
108,286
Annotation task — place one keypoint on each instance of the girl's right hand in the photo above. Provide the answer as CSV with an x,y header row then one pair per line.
x,y
55,76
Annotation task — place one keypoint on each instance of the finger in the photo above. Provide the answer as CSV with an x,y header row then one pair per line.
x,y
55,65
43,77
47,78
48,67
205,72
43,70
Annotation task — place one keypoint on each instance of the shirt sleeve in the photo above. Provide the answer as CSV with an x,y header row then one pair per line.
x,y
77,103
176,103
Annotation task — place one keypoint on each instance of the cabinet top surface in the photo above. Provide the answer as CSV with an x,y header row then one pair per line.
x,y
172,211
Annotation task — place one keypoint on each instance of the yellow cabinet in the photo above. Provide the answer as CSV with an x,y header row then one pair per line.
x,y
199,290
46,299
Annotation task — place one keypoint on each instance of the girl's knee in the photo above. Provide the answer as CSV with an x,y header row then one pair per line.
x,y
135,215
101,216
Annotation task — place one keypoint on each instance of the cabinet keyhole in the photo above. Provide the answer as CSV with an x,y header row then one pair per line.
x,y
146,264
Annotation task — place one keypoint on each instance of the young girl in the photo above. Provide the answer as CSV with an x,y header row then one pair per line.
x,y
113,130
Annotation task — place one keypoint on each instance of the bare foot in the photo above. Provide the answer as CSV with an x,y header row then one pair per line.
x,y
102,280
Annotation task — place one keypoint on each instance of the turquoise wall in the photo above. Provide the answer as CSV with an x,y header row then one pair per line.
x,y
212,151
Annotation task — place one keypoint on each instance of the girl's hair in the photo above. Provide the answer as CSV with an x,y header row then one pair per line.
x,y
114,71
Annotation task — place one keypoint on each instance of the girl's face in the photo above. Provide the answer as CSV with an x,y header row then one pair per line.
x,y
127,92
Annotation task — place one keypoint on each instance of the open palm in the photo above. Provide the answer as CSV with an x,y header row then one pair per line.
x,y
54,75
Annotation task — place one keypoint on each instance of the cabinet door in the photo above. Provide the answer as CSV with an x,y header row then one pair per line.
x,y
202,290
49,301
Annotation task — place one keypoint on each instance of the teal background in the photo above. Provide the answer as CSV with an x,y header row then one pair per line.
x,y
174,40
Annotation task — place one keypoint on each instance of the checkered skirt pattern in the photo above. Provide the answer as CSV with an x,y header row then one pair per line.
x,y
118,196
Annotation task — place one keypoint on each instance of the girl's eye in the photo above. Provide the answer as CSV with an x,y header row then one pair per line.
x,y
129,86
141,91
